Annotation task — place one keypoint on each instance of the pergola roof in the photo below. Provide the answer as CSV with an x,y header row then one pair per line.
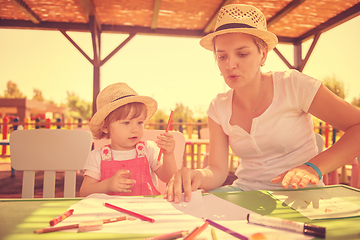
x,y
293,21
290,20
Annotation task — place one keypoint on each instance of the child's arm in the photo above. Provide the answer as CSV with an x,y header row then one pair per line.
x,y
168,168
119,182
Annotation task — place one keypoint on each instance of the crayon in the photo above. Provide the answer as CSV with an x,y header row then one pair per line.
x,y
61,217
137,215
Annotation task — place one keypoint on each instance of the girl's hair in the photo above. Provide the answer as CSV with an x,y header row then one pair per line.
x,y
121,113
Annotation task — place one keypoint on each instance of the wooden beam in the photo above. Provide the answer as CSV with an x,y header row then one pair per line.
x,y
209,27
346,15
283,12
75,45
117,49
89,9
283,58
27,10
308,54
155,17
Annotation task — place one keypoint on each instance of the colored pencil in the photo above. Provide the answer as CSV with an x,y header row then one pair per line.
x,y
225,229
168,236
167,129
137,215
196,231
213,234
61,217
55,229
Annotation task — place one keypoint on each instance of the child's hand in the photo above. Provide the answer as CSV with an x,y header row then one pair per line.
x,y
121,182
166,142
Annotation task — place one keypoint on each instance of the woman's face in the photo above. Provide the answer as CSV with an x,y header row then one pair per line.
x,y
238,58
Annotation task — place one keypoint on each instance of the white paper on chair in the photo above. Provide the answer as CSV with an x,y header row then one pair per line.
x,y
320,203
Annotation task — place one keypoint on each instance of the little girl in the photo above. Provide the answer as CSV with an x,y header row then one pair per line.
x,y
128,165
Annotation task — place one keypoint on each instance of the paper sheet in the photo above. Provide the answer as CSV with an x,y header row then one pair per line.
x,y
318,203
170,217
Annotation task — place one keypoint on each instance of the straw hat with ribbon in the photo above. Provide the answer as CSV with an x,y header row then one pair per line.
x,y
117,95
240,18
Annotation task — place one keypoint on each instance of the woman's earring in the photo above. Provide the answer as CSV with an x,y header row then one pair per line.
x,y
262,65
220,74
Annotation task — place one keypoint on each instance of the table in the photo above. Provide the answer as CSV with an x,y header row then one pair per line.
x,y
19,218
192,143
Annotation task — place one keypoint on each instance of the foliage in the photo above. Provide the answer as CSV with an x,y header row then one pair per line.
x,y
78,108
38,95
335,85
356,102
12,91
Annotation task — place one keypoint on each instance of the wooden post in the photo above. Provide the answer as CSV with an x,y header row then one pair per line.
x,y
5,132
190,128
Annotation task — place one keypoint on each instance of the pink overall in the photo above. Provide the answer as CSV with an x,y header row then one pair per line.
x,y
139,167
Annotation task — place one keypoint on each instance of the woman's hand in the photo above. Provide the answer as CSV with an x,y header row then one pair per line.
x,y
299,176
184,179
120,182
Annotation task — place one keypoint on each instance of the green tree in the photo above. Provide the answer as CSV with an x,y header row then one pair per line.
x,y
356,102
335,85
38,95
13,91
78,108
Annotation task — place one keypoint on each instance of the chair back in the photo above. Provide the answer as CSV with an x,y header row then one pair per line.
x,y
152,135
49,150
319,142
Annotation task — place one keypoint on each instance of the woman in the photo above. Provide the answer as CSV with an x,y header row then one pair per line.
x,y
265,117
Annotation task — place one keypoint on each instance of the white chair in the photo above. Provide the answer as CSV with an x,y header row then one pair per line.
x,y
152,135
49,150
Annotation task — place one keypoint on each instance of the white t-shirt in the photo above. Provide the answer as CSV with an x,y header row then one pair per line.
x,y
92,165
280,138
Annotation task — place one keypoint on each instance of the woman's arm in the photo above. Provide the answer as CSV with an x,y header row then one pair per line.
x,y
341,115
213,176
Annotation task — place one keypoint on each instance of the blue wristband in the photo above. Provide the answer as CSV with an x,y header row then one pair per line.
x,y
315,168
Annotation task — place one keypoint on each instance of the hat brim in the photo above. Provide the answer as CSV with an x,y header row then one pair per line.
x,y
100,115
268,37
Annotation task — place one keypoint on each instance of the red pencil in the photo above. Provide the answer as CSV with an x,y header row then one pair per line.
x,y
167,129
137,215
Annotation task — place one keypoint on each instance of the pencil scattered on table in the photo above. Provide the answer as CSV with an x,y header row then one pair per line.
x,y
225,229
84,226
169,236
167,129
61,217
134,214
294,226
196,231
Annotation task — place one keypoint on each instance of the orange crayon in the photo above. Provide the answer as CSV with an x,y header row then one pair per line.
x,y
61,217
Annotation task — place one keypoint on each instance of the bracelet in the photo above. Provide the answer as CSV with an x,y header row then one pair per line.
x,y
315,168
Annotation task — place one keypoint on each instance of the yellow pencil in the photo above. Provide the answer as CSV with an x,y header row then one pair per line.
x,y
213,234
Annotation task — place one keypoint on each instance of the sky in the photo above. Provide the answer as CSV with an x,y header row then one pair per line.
x,y
170,69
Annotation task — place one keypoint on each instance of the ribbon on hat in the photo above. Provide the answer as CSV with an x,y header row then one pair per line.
x,y
233,25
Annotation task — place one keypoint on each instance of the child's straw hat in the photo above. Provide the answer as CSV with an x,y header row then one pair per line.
x,y
117,95
240,18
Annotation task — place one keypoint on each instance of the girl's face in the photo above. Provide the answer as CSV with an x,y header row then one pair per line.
x,y
238,58
126,133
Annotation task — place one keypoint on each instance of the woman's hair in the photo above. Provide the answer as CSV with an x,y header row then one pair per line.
x,y
261,45
135,108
